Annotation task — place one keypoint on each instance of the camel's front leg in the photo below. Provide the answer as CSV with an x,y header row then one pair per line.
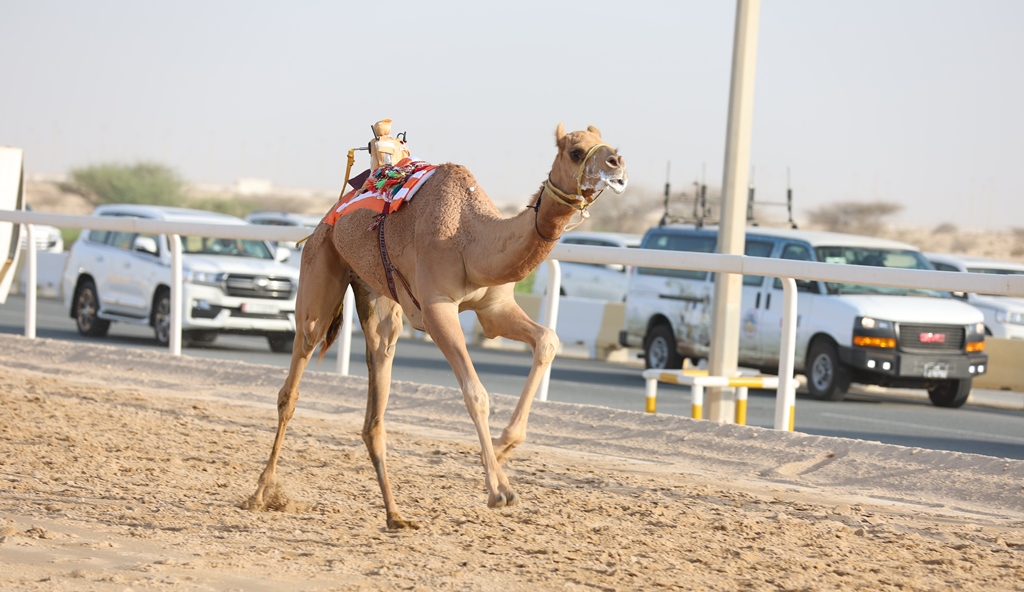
x,y
509,321
442,322
382,324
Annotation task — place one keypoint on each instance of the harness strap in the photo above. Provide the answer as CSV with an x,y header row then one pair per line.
x,y
389,267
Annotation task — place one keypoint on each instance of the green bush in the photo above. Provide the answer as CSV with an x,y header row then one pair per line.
x,y
141,183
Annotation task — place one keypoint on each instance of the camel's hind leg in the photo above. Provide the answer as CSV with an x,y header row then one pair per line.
x,y
381,319
322,287
508,320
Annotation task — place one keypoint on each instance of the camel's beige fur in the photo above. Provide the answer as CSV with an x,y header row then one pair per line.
x,y
457,253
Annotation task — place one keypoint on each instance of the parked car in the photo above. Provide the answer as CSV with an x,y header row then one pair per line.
x,y
893,337
1004,315
591,280
277,218
230,286
48,238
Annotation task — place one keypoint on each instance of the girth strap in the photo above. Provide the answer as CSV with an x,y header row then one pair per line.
x,y
389,267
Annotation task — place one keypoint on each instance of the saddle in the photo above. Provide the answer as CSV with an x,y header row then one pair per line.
x,y
392,182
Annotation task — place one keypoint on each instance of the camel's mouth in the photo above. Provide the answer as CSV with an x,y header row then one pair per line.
x,y
616,183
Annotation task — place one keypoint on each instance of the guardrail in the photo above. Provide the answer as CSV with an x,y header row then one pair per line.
x,y
786,270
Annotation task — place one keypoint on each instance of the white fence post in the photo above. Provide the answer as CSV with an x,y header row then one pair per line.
x,y
30,289
177,307
345,349
785,395
550,317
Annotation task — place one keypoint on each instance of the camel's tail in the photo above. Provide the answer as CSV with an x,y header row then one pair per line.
x,y
332,333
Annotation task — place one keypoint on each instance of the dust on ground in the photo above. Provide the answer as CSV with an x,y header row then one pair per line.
x,y
125,469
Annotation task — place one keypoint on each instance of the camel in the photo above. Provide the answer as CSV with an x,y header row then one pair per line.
x,y
453,251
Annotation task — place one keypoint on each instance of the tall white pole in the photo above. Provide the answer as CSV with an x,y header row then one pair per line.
x,y
729,287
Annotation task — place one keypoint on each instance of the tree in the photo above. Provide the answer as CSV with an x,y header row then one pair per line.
x,y
866,218
143,183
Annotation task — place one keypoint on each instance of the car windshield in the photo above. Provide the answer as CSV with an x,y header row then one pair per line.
x,y
876,257
996,271
203,245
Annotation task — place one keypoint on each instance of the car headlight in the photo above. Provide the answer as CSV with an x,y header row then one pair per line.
x,y
1013,318
872,332
975,337
205,278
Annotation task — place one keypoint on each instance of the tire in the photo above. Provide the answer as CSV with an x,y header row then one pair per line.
x,y
161,317
281,343
199,337
827,377
87,306
950,393
660,349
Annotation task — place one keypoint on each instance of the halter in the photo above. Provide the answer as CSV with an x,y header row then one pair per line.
x,y
576,201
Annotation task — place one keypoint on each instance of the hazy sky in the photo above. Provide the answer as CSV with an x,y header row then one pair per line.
x,y
919,102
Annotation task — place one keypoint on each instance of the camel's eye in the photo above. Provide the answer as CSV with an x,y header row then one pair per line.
x,y
576,154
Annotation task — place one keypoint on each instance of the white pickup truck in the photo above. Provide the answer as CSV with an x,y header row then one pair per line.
x,y
893,337
230,285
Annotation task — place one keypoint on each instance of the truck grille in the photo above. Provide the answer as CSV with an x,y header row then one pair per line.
x,y
259,286
930,338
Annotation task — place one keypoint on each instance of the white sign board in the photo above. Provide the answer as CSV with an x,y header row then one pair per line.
x,y
11,198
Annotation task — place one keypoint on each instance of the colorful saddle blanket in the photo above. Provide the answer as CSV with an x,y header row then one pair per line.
x,y
385,190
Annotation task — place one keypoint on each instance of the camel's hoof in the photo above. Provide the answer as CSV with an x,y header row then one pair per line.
x,y
398,523
273,498
508,498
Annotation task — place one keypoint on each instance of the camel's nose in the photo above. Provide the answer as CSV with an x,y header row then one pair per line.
x,y
616,162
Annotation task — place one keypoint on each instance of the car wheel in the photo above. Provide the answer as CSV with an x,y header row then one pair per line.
x,y
199,337
281,343
827,377
87,305
660,349
161,319
950,393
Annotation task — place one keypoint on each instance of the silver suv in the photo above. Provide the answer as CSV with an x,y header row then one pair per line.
x,y
229,285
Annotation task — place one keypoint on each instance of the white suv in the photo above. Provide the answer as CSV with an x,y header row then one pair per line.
x,y
276,218
1004,315
229,285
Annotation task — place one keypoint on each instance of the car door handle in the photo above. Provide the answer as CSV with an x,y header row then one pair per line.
x,y
767,301
757,301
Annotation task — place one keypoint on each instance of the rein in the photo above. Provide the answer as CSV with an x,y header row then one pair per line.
x,y
575,201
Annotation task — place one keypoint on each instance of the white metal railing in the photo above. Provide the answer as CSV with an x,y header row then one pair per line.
x,y
787,270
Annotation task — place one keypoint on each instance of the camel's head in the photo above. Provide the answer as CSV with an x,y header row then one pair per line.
x,y
585,165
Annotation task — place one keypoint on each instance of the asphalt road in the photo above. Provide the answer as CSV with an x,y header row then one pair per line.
x,y
904,418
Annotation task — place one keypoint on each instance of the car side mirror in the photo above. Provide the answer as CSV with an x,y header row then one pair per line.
x,y
145,244
281,254
616,267
960,295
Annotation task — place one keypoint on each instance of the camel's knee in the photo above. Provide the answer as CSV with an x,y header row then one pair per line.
x,y
476,399
512,437
547,346
286,399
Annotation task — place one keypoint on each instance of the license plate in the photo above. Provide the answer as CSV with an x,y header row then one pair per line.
x,y
259,308
936,369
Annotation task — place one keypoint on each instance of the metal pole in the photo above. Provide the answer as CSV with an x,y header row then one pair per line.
x,y
176,305
728,287
550,318
33,279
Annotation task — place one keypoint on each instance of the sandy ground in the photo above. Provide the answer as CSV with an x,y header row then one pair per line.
x,y
125,470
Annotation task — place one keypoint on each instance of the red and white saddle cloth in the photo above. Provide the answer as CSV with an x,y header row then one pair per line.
x,y
385,190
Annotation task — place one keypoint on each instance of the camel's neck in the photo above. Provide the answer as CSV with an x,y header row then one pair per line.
x,y
516,246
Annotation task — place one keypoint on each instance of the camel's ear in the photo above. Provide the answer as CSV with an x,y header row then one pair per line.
x,y
559,132
594,130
